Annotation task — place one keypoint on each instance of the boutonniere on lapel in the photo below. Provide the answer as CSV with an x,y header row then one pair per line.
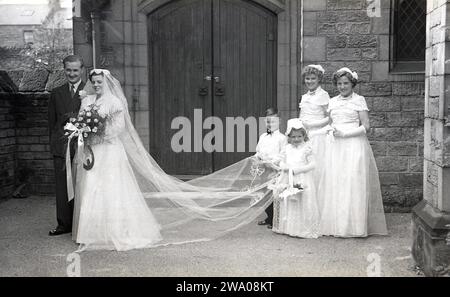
x,y
82,94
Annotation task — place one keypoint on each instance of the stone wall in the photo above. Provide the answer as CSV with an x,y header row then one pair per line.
x,y
24,144
7,147
340,33
34,161
437,108
12,35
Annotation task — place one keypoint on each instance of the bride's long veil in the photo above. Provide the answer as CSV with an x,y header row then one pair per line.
x,y
203,208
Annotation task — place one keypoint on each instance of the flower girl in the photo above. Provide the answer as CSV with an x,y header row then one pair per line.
x,y
313,114
295,206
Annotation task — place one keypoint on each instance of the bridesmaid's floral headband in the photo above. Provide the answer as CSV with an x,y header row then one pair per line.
x,y
318,67
352,73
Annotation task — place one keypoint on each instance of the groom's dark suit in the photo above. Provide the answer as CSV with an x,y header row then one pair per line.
x,y
61,106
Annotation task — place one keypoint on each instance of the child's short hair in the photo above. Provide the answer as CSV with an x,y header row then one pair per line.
x,y
307,70
272,111
302,130
338,74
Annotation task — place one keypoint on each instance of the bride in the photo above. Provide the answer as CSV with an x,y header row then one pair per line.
x,y
126,201
110,209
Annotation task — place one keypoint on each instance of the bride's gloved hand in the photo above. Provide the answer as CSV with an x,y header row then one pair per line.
x,y
361,130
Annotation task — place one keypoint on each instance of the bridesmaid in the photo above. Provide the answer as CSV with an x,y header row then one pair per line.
x,y
313,114
352,202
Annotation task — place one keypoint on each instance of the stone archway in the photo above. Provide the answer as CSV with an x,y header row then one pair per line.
x,y
148,6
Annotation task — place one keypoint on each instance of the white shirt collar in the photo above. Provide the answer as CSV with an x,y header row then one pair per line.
x,y
75,85
273,132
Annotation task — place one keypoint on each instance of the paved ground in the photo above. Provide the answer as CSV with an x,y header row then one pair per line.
x,y
27,250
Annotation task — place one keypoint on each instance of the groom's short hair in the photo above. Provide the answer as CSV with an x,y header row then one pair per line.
x,y
73,58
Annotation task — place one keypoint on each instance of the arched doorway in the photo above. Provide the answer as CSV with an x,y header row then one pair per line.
x,y
217,56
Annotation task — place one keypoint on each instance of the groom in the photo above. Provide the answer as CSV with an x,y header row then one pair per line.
x,y
63,102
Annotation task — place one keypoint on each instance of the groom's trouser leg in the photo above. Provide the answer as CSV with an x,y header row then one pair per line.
x,y
64,208
269,212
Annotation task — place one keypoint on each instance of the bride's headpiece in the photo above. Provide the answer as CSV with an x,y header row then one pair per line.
x,y
99,71
352,73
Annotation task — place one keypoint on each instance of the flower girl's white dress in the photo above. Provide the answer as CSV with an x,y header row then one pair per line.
x,y
350,189
110,210
297,214
313,108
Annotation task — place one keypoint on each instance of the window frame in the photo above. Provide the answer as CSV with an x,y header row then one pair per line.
x,y
24,33
395,66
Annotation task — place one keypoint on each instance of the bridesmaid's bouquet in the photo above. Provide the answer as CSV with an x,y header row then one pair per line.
x,y
289,191
283,190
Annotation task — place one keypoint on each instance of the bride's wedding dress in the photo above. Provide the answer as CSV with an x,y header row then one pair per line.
x,y
110,210
127,201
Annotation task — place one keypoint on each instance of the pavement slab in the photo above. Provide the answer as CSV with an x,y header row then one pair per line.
x,y
27,250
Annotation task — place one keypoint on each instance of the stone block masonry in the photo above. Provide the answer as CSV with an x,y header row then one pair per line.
x,y
341,33
7,147
24,143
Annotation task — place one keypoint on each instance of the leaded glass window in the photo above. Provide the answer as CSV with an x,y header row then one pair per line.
x,y
409,35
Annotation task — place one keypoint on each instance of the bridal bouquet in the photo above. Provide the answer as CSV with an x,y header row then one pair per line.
x,y
89,127
89,124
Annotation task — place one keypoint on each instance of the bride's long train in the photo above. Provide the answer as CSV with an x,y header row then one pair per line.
x,y
127,201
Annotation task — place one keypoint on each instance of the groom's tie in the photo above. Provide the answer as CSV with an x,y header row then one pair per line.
x,y
72,90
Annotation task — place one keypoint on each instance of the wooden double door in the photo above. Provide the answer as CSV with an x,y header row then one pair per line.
x,y
208,58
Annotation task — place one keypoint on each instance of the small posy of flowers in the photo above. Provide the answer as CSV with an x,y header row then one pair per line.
x,y
283,191
289,192
91,123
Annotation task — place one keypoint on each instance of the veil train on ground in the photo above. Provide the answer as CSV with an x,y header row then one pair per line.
x,y
200,209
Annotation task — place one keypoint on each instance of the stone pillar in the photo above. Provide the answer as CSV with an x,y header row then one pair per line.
x,y
431,217
289,51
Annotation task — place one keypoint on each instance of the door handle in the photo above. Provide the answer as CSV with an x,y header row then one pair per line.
x,y
219,91
203,91
209,78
